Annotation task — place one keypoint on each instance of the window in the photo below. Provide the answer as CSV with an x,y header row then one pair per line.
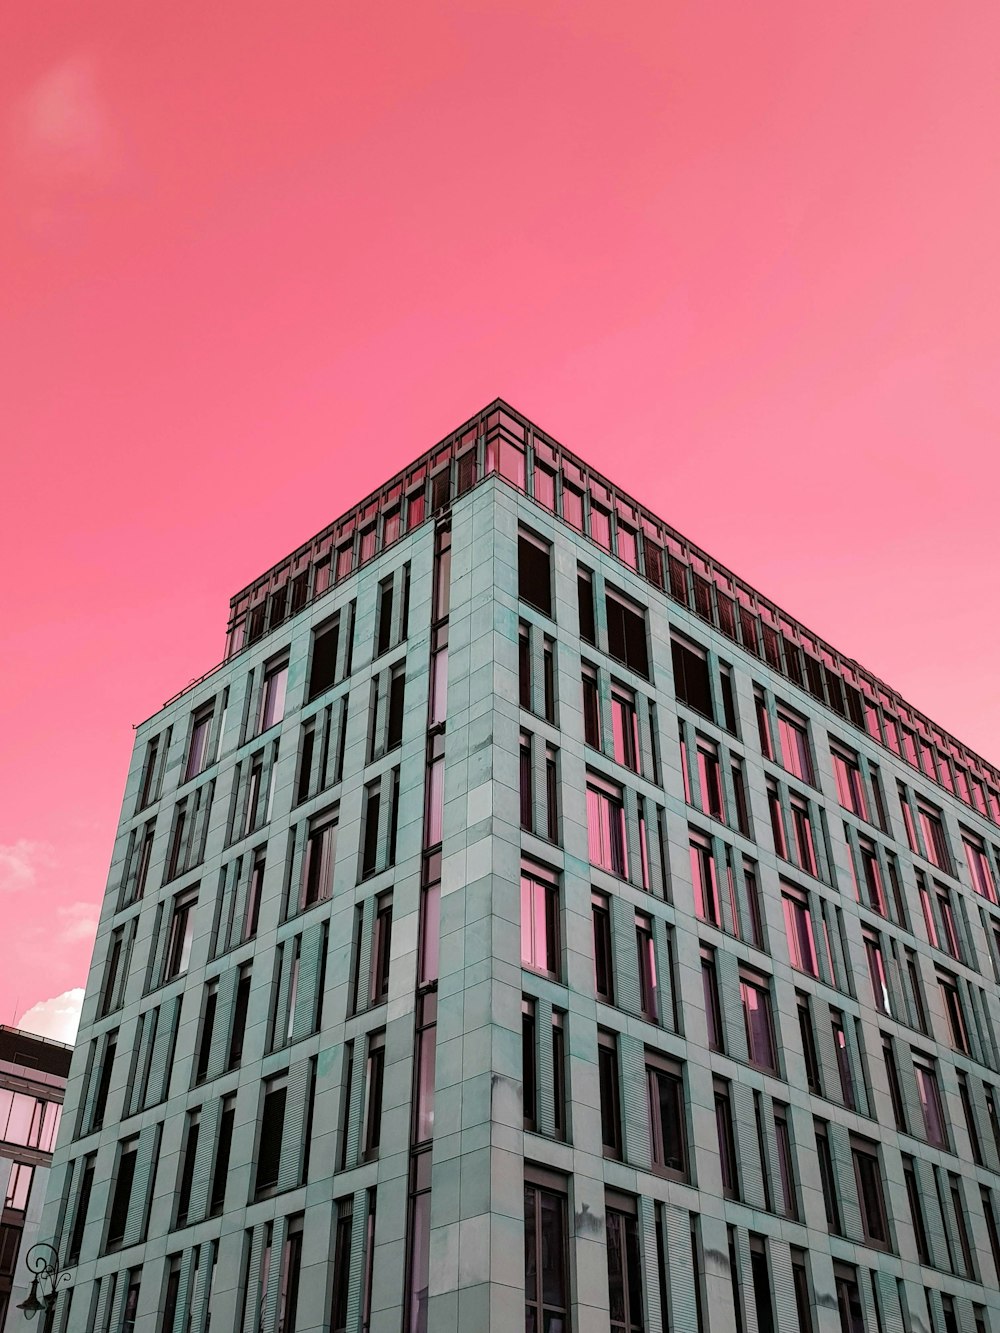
x,y
979,867
288,1278
220,1173
272,695
805,846
916,1210
625,727
381,944
760,1272
710,778
793,738
369,824
850,785
713,1008
546,1268
271,1125
703,876
540,947
877,972
529,1064
610,1089
524,665
800,1282
843,1059
325,646
786,1162
668,1140
727,1139
438,702
606,826
240,1008
201,728
932,828
591,707
18,1186
82,1207
852,1318
342,1266
603,956
122,1193
318,860
868,1175
148,783
585,599
777,820
798,926
742,812
426,1044
254,894
929,1095
624,1267
525,783
967,1267
755,996
374,1073
180,934
394,720
434,791
627,633
826,1176
649,995
131,1305
383,617
948,986
534,571
559,1072
551,794
692,685
188,1156
808,1038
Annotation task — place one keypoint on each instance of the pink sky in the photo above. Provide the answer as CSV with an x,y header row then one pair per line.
x,y
255,257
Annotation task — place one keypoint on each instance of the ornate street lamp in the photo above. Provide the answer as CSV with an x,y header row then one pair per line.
x,y
43,1261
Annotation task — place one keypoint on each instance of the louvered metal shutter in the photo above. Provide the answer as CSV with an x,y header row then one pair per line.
x,y
307,999
627,995
847,1189
635,1100
751,1175
142,1184
293,1135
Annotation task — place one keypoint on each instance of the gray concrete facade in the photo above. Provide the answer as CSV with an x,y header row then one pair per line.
x,y
725,1255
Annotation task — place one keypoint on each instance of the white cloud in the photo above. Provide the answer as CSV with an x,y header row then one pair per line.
x,y
62,127
58,1018
20,862
78,922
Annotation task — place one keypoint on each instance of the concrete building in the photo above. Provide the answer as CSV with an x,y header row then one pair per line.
x,y
529,926
33,1073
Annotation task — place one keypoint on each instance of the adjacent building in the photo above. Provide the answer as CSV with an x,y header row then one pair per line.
x,y
529,926
33,1073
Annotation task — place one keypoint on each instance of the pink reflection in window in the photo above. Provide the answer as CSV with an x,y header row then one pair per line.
x,y
426,1059
600,526
434,813
572,506
430,933
627,549
706,888
545,486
